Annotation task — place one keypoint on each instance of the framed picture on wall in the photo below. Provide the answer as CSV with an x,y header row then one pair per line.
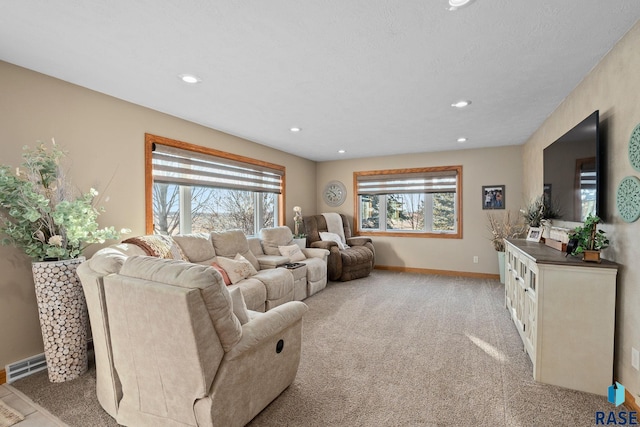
x,y
493,197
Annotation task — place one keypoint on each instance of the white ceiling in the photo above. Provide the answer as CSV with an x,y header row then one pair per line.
x,y
373,77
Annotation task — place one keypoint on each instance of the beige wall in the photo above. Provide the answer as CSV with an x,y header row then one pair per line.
x,y
494,166
612,87
105,139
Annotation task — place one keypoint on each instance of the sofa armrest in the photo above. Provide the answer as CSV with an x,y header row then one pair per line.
x,y
323,244
358,241
315,253
271,261
266,325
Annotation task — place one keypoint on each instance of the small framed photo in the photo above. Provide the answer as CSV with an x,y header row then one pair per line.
x,y
534,234
493,197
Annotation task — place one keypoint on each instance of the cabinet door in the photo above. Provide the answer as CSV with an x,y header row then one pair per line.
x,y
509,279
531,310
522,270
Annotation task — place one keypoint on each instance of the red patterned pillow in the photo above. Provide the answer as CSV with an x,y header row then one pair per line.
x,y
224,274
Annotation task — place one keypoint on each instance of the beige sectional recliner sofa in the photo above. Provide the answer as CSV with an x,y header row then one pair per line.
x,y
271,286
175,346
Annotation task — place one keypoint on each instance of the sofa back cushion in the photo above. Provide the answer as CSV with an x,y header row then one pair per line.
x,y
170,324
232,242
197,247
315,224
192,276
275,236
255,245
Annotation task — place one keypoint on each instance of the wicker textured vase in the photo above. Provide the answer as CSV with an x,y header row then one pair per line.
x,y
63,317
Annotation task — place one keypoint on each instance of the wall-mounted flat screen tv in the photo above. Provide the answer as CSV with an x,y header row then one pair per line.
x,y
572,171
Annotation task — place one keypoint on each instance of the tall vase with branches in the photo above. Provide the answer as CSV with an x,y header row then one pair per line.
x,y
504,225
44,215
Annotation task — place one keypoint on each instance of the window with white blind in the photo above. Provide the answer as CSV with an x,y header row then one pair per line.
x,y
196,189
419,202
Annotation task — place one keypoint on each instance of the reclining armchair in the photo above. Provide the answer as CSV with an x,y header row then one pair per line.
x,y
175,347
342,264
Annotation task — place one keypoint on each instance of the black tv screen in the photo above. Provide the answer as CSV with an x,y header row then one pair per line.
x,y
572,171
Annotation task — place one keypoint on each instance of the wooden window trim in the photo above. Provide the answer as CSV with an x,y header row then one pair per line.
x,y
150,139
428,235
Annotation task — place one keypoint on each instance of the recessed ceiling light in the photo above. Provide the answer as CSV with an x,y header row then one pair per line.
x,y
461,104
190,78
294,129
456,4
462,139
342,151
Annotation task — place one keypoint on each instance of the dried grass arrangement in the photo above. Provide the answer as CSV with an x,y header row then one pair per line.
x,y
504,225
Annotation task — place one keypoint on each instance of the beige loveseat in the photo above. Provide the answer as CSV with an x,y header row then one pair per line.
x,y
269,289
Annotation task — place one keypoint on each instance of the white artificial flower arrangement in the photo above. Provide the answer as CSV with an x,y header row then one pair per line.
x,y
297,222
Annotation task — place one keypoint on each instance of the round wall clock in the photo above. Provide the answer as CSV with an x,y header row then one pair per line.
x,y
628,198
335,193
634,148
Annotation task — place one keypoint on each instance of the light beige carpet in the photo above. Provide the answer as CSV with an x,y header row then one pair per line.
x,y
393,349
8,415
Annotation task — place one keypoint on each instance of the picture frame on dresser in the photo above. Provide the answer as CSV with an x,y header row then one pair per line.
x,y
534,234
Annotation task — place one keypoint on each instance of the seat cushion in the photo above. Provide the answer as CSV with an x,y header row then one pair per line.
x,y
253,292
357,262
316,269
278,282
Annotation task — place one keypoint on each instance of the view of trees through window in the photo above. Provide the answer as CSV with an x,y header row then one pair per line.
x,y
193,209
418,212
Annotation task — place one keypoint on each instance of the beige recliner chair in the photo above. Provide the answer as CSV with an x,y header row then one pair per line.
x,y
177,348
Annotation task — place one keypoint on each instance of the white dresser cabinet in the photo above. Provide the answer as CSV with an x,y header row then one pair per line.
x,y
564,311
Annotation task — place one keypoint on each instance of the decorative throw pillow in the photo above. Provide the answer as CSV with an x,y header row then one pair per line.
x,y
325,236
239,306
293,252
159,246
237,269
223,273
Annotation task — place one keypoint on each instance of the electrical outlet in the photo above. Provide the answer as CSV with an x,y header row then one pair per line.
x,y
475,259
635,359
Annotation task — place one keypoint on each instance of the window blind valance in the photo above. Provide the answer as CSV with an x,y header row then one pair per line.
x,y
408,182
173,165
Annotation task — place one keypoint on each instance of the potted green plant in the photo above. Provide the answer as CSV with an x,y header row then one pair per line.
x,y
538,210
503,226
589,240
44,215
